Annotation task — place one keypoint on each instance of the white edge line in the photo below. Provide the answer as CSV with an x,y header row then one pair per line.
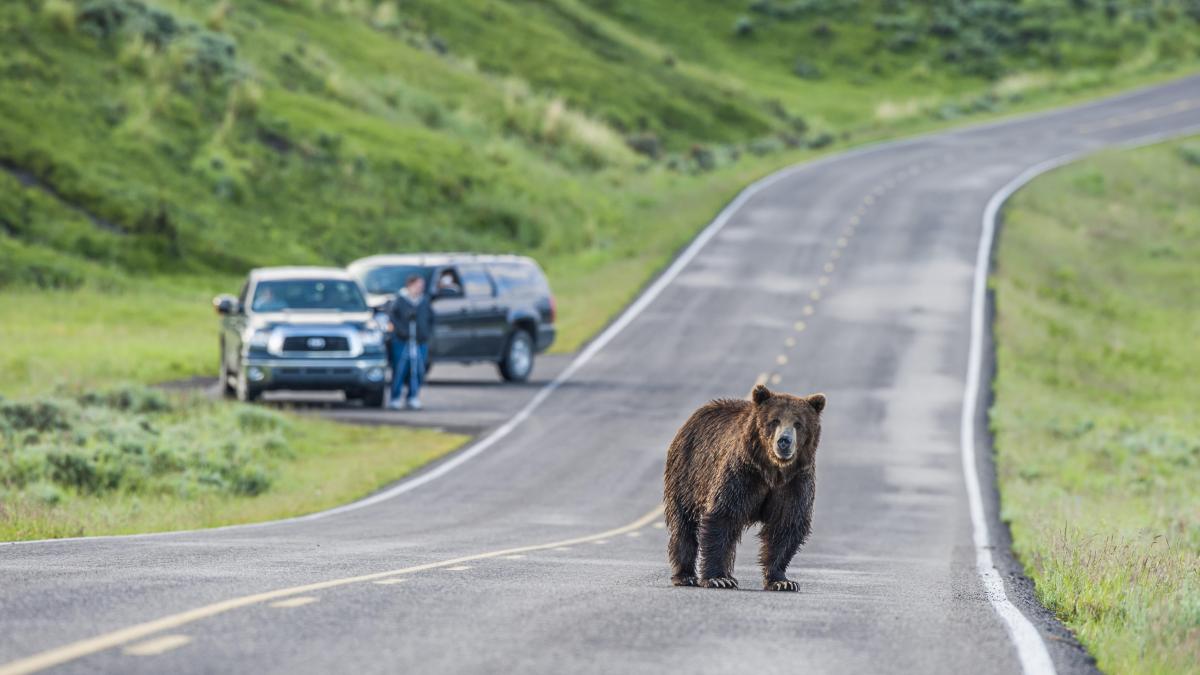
x,y
631,312
1031,649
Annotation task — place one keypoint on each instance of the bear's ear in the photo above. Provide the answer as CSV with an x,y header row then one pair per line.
x,y
817,401
760,393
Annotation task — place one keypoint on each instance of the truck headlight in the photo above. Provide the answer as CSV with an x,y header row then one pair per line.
x,y
258,339
372,338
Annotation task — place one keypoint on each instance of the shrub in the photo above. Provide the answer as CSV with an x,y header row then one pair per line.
x,y
743,27
254,419
821,140
1190,154
46,414
129,398
60,14
805,70
646,144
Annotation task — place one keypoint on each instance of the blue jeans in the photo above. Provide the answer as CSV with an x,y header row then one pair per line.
x,y
407,370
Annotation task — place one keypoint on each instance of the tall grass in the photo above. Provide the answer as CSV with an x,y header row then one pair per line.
x,y
1098,444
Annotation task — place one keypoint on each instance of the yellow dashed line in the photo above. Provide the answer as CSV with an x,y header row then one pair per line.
x,y
516,556
458,568
799,326
842,241
294,602
823,281
781,359
761,379
158,645
835,254
123,636
633,534
790,342
776,378
808,310
815,295
828,267
869,199
854,220
600,542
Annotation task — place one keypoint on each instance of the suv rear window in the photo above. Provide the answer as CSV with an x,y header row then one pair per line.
x,y
308,294
517,277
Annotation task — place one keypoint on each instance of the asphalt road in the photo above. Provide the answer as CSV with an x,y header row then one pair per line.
x,y
851,276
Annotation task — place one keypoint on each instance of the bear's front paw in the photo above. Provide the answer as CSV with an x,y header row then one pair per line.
x,y
720,582
781,585
685,581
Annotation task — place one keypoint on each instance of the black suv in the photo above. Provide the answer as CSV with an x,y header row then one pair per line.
x,y
301,328
486,307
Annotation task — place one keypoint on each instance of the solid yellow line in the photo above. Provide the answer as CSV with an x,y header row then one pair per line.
x,y
82,648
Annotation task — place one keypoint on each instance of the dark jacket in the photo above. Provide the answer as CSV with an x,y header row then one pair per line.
x,y
404,314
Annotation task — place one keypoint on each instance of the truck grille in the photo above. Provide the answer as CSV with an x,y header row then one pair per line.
x,y
316,343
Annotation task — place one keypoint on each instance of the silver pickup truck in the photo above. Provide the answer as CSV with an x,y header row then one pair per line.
x,y
301,328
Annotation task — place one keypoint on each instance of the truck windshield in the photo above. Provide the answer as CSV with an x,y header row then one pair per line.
x,y
391,278
308,294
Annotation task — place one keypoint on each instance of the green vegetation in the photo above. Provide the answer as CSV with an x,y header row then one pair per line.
x,y
1098,443
131,459
153,150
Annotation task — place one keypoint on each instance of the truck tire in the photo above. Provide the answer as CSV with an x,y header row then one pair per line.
x,y
246,393
373,398
227,390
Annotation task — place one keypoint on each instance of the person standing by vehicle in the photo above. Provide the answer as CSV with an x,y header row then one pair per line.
x,y
412,326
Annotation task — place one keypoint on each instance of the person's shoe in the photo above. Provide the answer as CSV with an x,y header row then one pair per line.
x,y
398,404
414,404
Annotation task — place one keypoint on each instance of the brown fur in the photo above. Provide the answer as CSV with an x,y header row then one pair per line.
x,y
724,473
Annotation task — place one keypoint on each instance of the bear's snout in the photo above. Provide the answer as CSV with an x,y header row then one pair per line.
x,y
785,445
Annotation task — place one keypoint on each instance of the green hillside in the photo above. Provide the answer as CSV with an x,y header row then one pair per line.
x,y
153,150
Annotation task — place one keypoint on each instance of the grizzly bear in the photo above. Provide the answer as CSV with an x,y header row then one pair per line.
x,y
735,463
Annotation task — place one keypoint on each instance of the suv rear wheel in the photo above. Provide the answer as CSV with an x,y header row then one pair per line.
x,y
517,363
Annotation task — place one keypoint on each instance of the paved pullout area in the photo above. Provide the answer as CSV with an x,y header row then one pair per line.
x,y
852,276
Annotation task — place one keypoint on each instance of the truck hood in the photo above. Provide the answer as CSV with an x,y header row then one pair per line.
x,y
356,320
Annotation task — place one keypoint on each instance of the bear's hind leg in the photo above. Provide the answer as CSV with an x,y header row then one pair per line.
x,y
681,550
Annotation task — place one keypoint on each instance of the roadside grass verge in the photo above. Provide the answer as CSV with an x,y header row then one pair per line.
x,y
131,459
1097,437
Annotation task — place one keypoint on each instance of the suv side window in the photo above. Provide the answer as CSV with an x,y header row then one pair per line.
x,y
475,280
516,277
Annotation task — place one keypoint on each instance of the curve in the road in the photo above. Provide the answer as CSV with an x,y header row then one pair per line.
x,y
994,587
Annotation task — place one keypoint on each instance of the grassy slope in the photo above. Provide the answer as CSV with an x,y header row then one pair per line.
x,y
341,128
1098,299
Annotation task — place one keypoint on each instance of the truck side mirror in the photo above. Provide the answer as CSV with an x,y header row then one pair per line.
x,y
225,304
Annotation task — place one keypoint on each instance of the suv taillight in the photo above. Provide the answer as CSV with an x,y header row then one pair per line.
x,y
553,309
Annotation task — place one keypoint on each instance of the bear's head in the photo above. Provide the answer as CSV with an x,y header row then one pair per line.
x,y
788,427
